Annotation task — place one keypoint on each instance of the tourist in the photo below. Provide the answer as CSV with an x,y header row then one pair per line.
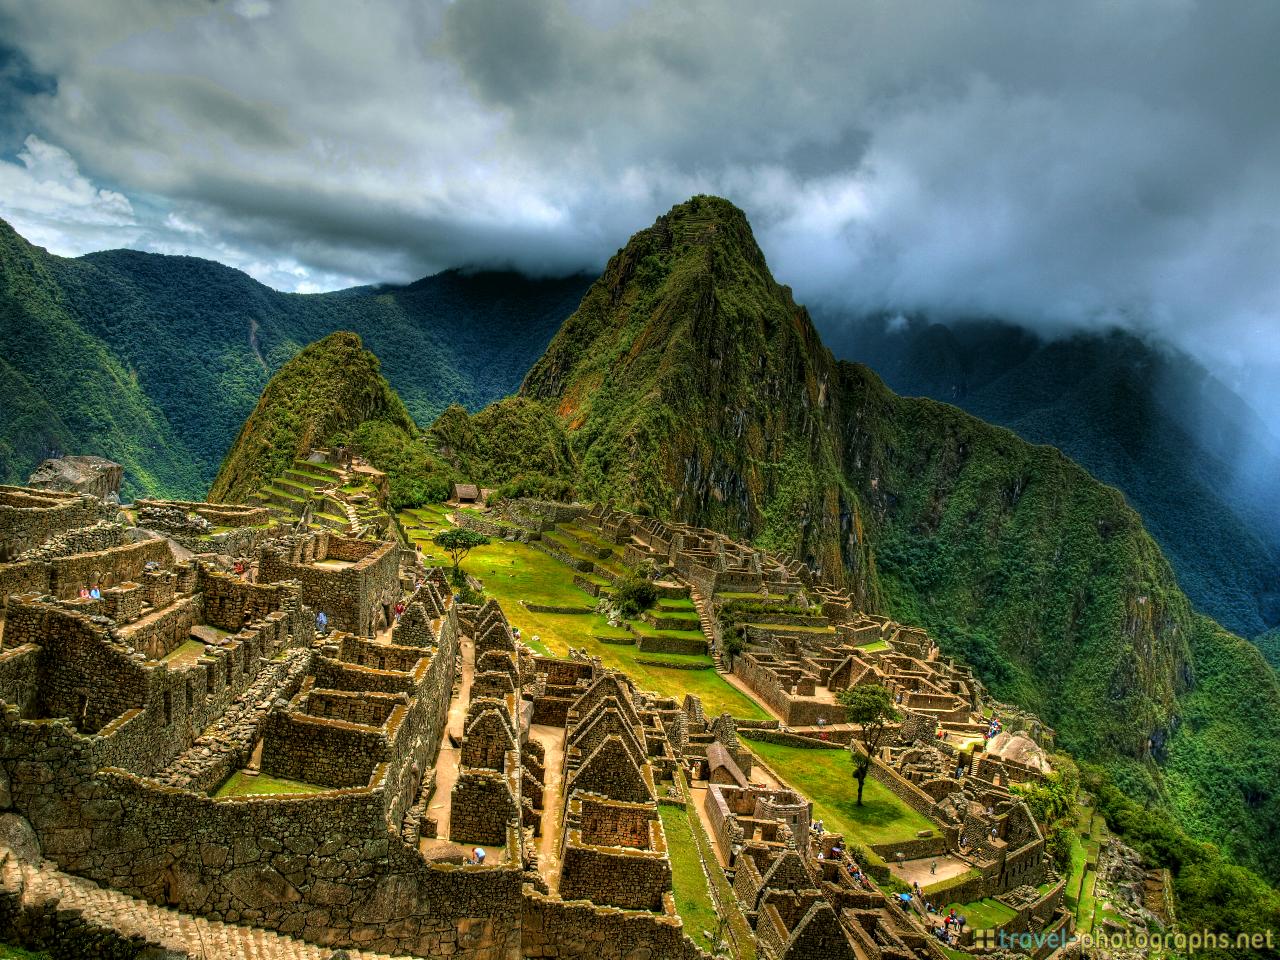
x,y
478,853
95,593
84,593
933,868
322,623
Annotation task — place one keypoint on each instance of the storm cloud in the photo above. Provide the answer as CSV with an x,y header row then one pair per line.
x,y
1064,166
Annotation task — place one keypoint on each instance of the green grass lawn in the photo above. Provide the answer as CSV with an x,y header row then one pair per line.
x,y
8,952
982,914
512,572
688,882
240,785
826,778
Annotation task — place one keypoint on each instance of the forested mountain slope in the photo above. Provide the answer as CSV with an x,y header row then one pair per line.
x,y
1190,456
156,361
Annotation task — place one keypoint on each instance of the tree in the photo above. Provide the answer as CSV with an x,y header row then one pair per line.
x,y
871,707
634,595
458,542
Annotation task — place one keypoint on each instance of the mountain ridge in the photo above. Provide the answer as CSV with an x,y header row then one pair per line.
x,y
187,345
1125,410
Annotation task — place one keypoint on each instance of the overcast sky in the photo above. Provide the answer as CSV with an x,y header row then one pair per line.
x,y
1064,165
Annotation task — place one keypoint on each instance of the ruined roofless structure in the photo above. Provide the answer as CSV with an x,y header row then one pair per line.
x,y
440,790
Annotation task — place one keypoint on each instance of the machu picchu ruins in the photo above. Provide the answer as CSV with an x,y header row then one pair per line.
x,y
258,726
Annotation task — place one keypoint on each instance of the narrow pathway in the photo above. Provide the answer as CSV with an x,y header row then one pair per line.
x,y
450,756
552,740
706,619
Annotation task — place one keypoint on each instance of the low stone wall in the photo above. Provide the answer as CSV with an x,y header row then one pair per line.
x,y
669,665
30,517
615,876
323,867
683,645
332,753
544,608
558,930
787,739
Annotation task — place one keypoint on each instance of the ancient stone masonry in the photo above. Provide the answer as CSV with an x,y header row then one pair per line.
x,y
486,801
355,583
178,735
613,849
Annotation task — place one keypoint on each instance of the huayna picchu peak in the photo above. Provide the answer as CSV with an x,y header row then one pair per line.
x,y
702,643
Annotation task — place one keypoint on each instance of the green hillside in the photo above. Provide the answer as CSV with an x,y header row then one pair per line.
x,y
323,395
691,385
1190,456
156,361
65,392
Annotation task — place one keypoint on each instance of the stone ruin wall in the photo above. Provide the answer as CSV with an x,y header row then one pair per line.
x,y
63,576
146,713
28,518
322,867
351,597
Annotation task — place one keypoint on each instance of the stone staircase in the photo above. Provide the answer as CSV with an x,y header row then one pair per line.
x,y
706,619
41,889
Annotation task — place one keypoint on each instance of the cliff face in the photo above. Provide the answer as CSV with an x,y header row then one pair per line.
x,y
327,391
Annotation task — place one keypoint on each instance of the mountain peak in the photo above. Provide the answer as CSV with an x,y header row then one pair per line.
x,y
328,390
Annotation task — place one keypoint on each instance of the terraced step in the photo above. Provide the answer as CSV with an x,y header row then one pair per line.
x,y
592,543
556,550
179,933
320,469
308,480
293,487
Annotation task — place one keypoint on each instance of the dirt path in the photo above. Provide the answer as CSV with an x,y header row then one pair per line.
x,y
447,762
552,741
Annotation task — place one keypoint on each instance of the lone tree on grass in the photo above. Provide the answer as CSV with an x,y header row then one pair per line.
x,y
871,707
458,542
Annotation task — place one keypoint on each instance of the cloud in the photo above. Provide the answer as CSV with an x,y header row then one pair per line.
x,y
44,196
1111,166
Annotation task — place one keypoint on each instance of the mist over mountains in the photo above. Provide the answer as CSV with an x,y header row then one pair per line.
x,y
1190,454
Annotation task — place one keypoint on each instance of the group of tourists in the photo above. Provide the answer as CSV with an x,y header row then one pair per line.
x,y
90,593
951,928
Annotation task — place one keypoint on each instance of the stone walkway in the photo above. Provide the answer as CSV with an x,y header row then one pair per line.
x,y
917,871
449,756
182,934
698,797
552,740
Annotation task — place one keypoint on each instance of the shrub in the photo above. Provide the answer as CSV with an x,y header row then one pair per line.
x,y
634,595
